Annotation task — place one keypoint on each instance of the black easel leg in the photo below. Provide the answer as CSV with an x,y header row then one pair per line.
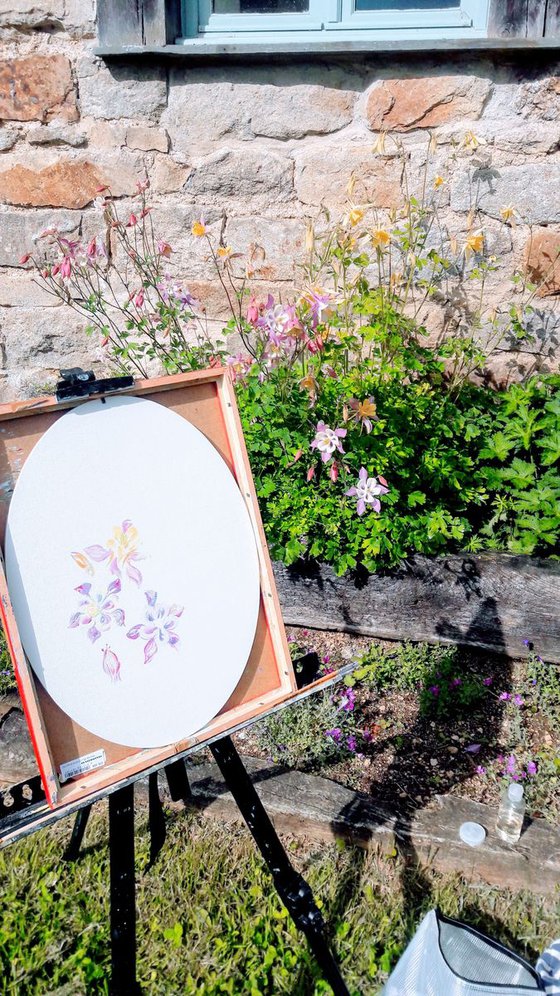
x,y
156,819
123,893
292,888
178,781
72,852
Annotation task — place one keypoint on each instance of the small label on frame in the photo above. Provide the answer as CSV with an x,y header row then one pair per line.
x,y
80,765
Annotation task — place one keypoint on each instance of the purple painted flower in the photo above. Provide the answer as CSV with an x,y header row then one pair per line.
x,y
366,491
159,627
487,681
334,734
327,441
97,610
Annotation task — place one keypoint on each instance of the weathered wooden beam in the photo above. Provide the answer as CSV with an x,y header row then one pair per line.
x,y
161,22
119,22
552,19
517,18
322,810
492,601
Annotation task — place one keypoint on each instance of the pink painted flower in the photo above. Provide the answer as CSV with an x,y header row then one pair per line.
x,y
367,490
327,441
111,664
159,627
97,610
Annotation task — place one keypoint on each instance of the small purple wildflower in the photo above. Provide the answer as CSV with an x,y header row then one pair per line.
x,y
456,682
519,700
480,770
487,682
347,701
504,696
531,768
434,690
473,748
334,734
352,744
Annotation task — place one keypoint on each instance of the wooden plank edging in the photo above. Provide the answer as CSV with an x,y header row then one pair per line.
x,y
322,810
491,601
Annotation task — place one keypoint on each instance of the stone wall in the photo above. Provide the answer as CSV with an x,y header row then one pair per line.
x,y
265,146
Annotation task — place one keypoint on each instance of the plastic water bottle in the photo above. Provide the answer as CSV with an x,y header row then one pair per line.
x,y
511,814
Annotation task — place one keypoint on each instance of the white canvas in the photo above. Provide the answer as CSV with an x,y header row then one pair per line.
x,y
133,571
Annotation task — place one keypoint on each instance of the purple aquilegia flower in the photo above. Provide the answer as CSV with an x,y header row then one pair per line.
x,y
327,441
366,491
334,734
347,701
98,610
159,627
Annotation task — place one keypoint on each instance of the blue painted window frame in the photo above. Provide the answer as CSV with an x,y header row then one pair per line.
x,y
469,20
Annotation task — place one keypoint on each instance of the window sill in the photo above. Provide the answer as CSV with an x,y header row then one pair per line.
x,y
230,45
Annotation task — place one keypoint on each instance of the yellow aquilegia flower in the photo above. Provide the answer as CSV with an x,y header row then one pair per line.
x,y
438,181
224,252
380,239
474,242
508,213
198,229
354,216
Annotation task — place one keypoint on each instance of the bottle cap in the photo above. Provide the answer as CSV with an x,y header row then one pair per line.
x,y
515,792
472,834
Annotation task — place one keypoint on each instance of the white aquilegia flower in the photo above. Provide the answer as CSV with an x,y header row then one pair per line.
x,y
367,491
327,441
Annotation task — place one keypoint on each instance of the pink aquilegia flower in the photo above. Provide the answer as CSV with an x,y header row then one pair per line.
x,y
239,365
159,627
327,441
367,490
97,610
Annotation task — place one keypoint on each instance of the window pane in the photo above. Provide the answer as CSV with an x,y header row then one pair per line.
x,y
433,5
261,6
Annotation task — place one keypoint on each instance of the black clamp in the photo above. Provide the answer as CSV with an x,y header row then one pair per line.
x,y
78,383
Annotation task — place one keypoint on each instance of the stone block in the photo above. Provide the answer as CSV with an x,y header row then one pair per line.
x,y
8,139
44,341
533,189
56,134
79,18
202,113
19,230
66,183
168,176
238,174
37,88
146,139
271,248
31,15
542,261
19,289
425,102
539,99
113,91
323,171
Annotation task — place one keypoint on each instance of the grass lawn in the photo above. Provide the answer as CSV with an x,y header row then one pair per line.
x,y
209,921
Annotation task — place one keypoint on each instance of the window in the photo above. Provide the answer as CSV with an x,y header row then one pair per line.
x,y
381,19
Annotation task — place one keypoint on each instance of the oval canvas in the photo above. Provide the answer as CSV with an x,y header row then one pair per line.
x,y
133,571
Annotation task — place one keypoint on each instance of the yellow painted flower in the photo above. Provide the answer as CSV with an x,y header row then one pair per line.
x,y
224,252
198,229
475,242
438,181
380,239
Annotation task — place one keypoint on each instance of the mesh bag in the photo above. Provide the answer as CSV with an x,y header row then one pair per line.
x,y
447,958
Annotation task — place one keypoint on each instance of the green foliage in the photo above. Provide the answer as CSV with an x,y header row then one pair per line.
x,y
522,476
405,669
7,676
297,736
542,690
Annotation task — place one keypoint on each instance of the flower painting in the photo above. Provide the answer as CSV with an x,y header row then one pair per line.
x,y
99,609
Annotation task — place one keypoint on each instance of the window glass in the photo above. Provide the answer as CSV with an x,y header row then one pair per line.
x,y
433,5
260,6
